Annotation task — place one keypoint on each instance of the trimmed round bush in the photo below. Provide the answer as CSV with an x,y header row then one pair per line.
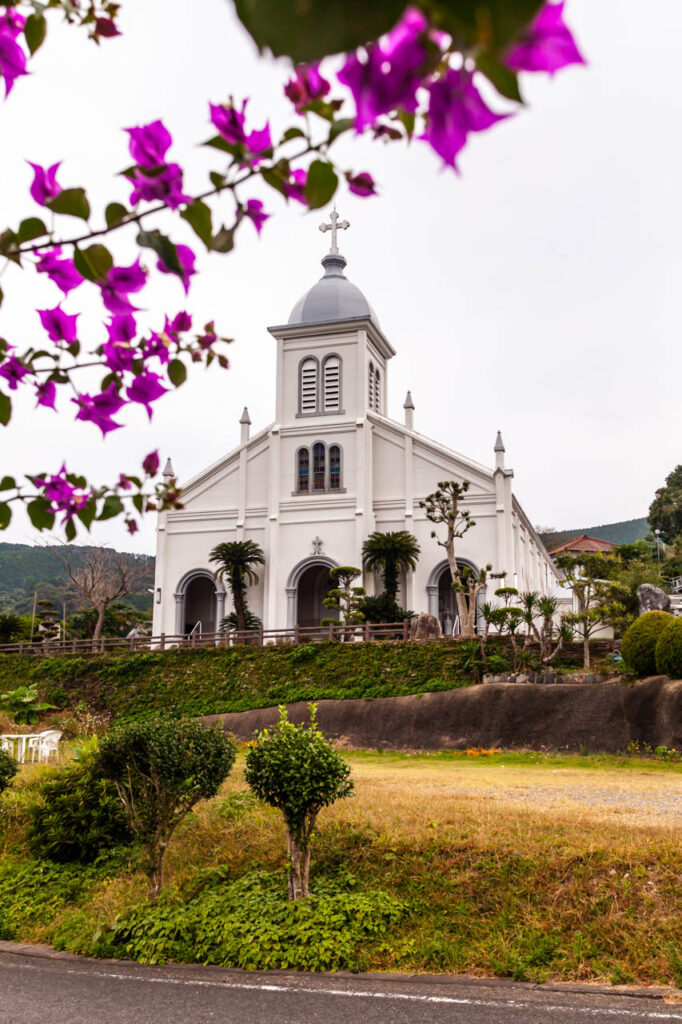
x,y
669,650
639,642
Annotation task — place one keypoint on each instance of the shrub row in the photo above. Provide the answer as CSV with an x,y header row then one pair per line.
x,y
653,643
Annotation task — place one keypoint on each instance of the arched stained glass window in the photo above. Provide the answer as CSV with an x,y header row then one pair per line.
x,y
308,386
334,467
332,384
319,467
303,470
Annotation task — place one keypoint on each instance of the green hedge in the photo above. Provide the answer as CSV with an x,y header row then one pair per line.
x,y
215,680
669,650
639,642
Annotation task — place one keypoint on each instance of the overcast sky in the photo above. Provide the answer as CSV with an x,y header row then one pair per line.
x,y
537,293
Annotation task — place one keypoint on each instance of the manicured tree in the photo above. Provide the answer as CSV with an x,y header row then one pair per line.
x,y
295,769
640,643
161,767
669,649
236,559
390,554
8,769
665,511
344,596
587,577
443,507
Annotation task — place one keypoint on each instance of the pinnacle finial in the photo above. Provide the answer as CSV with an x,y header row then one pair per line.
x,y
168,469
245,418
335,226
499,444
408,403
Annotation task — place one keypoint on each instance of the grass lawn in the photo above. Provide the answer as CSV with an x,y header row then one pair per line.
x,y
524,865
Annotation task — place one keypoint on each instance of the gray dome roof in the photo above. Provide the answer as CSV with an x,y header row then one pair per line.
x,y
332,298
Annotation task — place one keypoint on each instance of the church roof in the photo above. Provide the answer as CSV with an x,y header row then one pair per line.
x,y
585,543
333,298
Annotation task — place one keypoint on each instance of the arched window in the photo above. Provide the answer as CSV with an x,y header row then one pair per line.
x,y
334,467
303,470
332,384
370,387
307,397
377,391
319,467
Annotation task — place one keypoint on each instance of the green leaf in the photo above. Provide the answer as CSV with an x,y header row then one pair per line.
x,y
218,142
339,127
321,184
223,241
31,228
198,216
87,513
5,515
5,409
163,247
71,201
39,514
292,133
487,24
7,483
114,214
113,506
217,180
177,372
1,296
35,30
9,243
310,30
70,530
504,80
93,263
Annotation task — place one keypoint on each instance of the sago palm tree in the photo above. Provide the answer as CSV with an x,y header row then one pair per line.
x,y
236,559
390,553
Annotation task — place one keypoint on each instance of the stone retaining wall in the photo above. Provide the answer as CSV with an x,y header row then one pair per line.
x,y
600,717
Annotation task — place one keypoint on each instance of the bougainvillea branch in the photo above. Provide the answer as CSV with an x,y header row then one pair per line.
x,y
421,80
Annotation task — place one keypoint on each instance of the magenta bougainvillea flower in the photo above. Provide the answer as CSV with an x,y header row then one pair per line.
x,y
62,495
12,57
13,371
295,187
118,351
60,326
361,184
164,184
122,328
105,28
306,86
46,393
186,260
180,322
149,144
44,186
390,74
145,389
124,483
231,126
119,283
60,271
546,45
253,210
11,22
156,345
100,409
150,463
456,108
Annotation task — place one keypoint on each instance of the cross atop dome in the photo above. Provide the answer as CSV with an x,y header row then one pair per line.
x,y
334,227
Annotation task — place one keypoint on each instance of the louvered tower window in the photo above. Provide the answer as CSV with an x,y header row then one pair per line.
x,y
332,384
308,386
370,387
334,467
377,391
303,470
319,467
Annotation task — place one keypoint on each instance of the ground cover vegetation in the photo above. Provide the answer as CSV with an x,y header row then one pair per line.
x,y
239,678
436,864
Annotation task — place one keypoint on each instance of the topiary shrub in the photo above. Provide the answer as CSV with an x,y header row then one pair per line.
x,y
8,769
669,650
639,642
79,816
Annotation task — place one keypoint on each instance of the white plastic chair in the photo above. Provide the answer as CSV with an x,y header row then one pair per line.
x,y
44,745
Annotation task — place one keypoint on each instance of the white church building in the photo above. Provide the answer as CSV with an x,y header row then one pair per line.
x,y
329,470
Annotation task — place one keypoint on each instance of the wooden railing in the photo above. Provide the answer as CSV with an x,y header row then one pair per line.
x,y
366,632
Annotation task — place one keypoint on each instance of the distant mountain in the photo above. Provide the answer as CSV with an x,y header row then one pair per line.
x,y
626,532
26,570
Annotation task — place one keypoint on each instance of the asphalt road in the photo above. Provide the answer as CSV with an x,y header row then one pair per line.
x,y
37,987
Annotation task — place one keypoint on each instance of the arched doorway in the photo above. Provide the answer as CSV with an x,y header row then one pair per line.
x,y
442,598
307,587
199,599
